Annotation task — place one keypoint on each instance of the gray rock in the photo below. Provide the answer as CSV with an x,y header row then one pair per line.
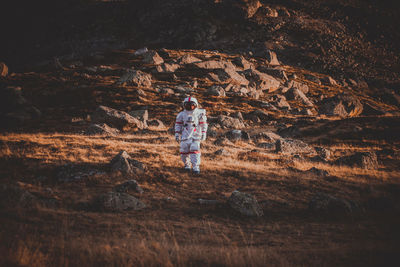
x,y
125,164
229,122
118,119
101,129
115,201
327,204
292,146
135,78
128,186
152,57
141,51
245,204
365,160
216,90
324,153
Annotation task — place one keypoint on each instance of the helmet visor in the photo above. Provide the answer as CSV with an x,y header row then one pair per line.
x,y
189,105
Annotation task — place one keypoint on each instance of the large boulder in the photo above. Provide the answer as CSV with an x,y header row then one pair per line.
x,y
101,129
125,164
115,201
152,57
116,118
365,160
261,81
245,204
327,204
292,146
342,105
135,78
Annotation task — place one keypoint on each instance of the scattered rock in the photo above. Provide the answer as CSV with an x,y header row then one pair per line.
x,y
115,201
128,186
318,172
156,124
141,114
324,153
324,203
329,81
295,94
261,81
268,137
245,204
125,164
216,90
222,152
242,62
118,119
3,70
135,78
229,122
188,59
101,129
237,135
168,68
365,160
74,173
292,146
280,102
152,57
341,105
141,51
313,78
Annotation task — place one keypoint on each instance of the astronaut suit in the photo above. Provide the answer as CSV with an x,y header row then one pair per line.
x,y
190,129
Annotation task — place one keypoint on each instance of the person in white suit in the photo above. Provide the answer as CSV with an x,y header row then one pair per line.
x,y
190,130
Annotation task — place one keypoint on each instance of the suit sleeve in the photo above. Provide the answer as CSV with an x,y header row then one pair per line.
x,y
178,124
203,123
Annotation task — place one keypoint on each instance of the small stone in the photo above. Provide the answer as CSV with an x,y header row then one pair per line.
x,y
245,204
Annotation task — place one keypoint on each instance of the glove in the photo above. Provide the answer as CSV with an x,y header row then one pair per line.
x,y
203,137
177,138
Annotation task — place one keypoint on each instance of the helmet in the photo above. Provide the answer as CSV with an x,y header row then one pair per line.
x,y
190,103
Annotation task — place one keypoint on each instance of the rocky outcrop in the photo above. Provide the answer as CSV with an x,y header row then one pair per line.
x,y
125,164
245,204
116,118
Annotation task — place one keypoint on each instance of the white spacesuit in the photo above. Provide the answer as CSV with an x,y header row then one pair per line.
x,y
190,129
